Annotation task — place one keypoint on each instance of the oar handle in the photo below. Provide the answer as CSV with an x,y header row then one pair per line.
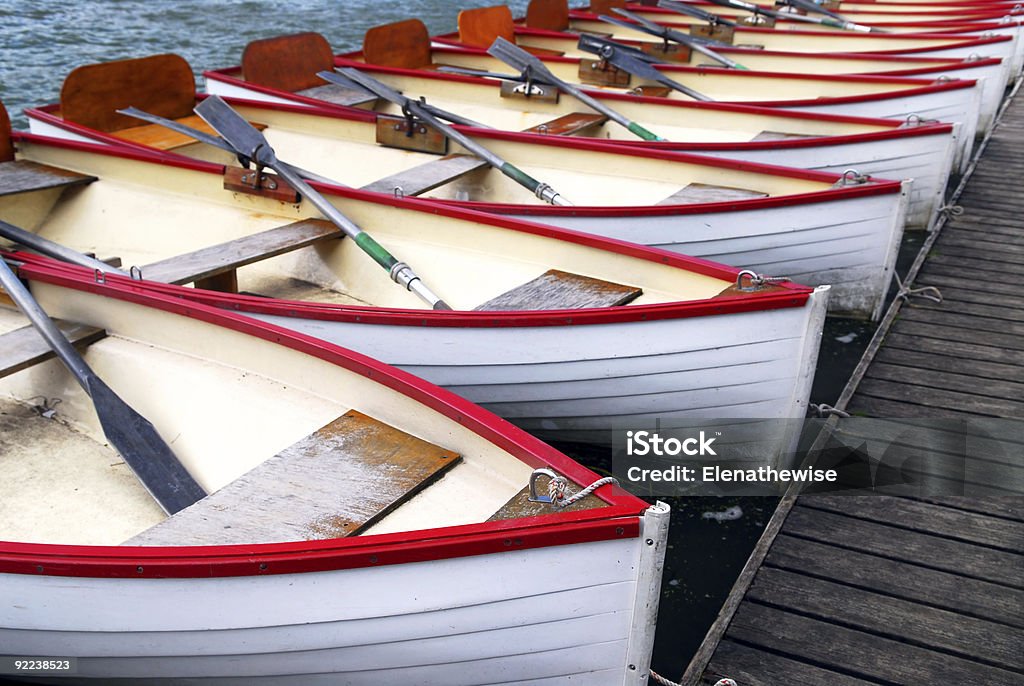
x,y
54,250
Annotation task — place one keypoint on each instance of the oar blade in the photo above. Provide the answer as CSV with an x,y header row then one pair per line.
x,y
517,58
232,127
143,450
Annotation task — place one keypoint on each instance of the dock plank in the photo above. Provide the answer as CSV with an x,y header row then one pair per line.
x,y
753,667
862,654
922,549
892,618
899,579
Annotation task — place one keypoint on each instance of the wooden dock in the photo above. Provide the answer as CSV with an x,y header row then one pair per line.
x,y
854,590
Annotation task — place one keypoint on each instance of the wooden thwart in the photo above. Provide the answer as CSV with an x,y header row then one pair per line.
x,y
338,95
558,290
569,124
226,257
163,138
333,483
428,175
22,176
695,193
24,347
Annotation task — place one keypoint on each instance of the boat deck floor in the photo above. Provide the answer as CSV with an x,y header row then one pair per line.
x,y
102,501
922,588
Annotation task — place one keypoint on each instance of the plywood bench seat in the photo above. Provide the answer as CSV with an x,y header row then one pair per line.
x,y
24,347
427,176
558,290
696,193
339,95
22,176
331,484
207,264
162,138
569,124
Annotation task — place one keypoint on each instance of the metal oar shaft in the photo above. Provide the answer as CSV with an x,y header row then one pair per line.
x,y
215,141
45,326
650,28
54,250
248,141
540,189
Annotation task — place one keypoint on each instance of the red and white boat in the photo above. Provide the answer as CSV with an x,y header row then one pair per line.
x,y
316,558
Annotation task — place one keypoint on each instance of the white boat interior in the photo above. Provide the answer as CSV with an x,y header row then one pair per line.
x,y
290,446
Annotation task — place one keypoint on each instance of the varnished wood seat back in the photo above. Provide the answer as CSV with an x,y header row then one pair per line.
x,y
6,148
404,44
552,15
161,84
480,27
290,63
605,6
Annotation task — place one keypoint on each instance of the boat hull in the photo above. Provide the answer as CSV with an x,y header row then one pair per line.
x,y
753,364
529,616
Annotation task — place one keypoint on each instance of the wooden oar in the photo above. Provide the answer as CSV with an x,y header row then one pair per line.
x,y
131,434
54,250
517,58
247,141
831,18
643,25
631,60
411,107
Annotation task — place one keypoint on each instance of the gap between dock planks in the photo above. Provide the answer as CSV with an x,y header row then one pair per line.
x,y
851,590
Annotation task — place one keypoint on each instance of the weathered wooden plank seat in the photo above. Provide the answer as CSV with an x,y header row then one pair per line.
x,y
427,176
558,290
331,484
24,347
207,267
339,95
22,176
702,192
569,124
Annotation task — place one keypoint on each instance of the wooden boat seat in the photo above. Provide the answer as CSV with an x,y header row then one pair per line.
x,y
570,124
24,347
427,176
605,6
702,192
404,44
558,290
214,267
339,95
162,138
334,483
289,63
161,84
6,146
552,15
22,176
480,27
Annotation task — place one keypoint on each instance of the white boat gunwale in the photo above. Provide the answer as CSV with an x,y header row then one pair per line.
x,y
620,519
787,294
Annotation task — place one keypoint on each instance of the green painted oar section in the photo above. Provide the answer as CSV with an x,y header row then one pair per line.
x,y
131,434
519,59
247,141
414,108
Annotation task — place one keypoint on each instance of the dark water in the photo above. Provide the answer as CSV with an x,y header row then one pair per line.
x,y
41,42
